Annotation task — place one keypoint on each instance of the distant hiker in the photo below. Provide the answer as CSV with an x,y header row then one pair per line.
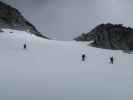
x,y
25,46
83,57
112,60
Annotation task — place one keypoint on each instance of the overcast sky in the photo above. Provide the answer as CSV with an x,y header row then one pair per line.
x,y
66,19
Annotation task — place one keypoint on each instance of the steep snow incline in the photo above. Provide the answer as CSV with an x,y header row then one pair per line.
x,y
53,70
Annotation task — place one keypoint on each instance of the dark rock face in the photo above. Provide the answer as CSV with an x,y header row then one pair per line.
x,y
110,36
11,18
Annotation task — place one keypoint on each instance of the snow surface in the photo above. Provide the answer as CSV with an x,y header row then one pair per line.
x,y
53,70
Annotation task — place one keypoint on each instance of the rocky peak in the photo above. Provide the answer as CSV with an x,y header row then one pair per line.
x,y
110,36
10,17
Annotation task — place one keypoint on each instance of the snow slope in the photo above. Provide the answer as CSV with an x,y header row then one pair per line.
x,y
53,70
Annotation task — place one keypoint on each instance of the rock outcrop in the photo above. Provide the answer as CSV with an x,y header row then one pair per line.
x,y
110,36
11,18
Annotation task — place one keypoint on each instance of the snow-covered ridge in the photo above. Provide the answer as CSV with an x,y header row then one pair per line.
x,y
53,70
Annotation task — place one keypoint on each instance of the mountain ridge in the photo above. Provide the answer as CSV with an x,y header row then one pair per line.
x,y
11,18
109,36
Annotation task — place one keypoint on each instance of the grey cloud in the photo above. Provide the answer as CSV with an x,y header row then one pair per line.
x,y
66,19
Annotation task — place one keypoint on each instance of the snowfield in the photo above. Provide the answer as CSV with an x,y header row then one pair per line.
x,y
53,70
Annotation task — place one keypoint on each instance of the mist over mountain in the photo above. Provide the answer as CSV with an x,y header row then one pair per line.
x,y
11,18
110,36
